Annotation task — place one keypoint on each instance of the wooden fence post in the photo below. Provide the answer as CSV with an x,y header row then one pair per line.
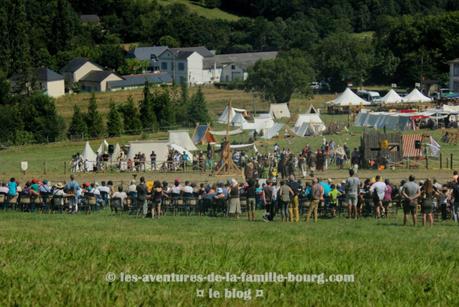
x,y
441,161
427,162
451,161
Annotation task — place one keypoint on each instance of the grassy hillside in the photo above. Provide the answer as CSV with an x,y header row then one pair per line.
x,y
64,259
203,11
217,99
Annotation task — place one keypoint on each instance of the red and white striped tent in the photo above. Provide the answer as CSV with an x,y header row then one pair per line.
x,y
409,148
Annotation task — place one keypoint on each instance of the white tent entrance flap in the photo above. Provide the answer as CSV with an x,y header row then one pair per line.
x,y
182,138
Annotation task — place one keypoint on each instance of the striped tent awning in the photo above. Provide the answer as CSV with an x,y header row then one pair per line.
x,y
409,149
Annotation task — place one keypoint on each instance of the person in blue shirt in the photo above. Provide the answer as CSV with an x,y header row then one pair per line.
x,y
327,189
12,188
73,188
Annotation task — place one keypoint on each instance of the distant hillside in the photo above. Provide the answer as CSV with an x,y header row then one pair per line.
x,y
214,13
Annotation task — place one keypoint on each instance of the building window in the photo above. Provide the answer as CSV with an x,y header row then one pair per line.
x,y
455,86
163,65
153,57
456,70
233,67
181,66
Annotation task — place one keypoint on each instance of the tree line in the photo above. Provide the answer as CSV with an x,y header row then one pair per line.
x,y
160,108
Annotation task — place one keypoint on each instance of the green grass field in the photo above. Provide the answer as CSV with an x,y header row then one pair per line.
x,y
63,260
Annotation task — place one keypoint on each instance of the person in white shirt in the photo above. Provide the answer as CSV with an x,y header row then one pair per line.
x,y
121,195
4,189
378,189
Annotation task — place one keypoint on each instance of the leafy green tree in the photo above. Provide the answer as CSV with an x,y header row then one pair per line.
x,y
40,118
277,80
94,119
78,125
169,41
114,121
63,26
4,89
18,29
197,108
147,113
111,56
342,58
131,117
163,108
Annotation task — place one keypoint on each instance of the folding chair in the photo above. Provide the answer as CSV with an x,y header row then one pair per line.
x,y
116,204
25,202
3,201
91,202
191,204
57,203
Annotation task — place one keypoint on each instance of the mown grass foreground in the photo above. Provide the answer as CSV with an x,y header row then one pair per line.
x,y
55,259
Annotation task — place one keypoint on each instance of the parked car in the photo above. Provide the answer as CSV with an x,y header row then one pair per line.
x,y
370,96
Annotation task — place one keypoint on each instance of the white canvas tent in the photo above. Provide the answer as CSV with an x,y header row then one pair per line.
x,y
116,152
388,120
263,121
146,147
279,110
272,132
103,148
89,157
348,98
238,120
223,119
182,138
312,110
416,96
180,149
309,124
391,97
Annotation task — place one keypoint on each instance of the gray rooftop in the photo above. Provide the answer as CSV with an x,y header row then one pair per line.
x,y
46,74
203,51
144,53
139,80
243,60
90,18
75,64
96,75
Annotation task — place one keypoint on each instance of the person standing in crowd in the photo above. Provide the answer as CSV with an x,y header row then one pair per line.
x,y
378,190
235,202
268,191
251,199
121,195
411,193
142,192
334,195
293,209
428,193
387,196
455,197
157,198
285,193
317,192
352,188
153,160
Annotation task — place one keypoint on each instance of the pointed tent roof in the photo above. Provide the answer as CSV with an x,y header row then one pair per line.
x,y
203,135
102,148
88,153
416,96
391,97
312,110
116,151
279,110
238,120
223,119
348,98
182,138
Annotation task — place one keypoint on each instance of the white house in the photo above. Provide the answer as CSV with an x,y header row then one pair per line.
x,y
96,81
233,67
44,79
50,82
76,69
198,65
454,75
